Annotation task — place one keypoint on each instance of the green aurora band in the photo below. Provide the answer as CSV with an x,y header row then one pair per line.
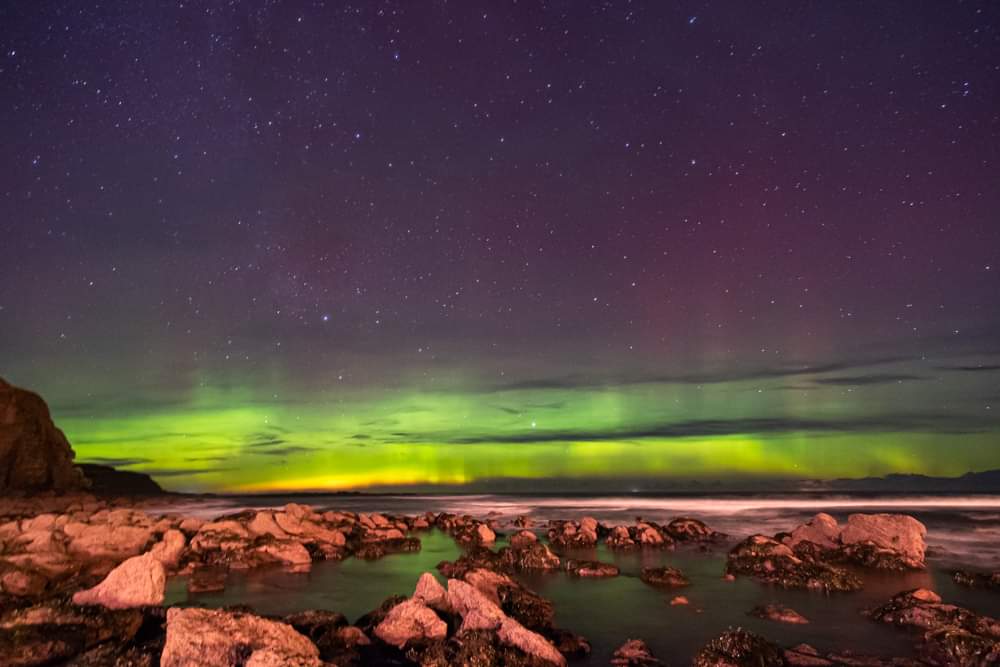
x,y
239,441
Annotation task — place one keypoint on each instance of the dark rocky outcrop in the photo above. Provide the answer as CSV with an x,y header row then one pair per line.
x,y
34,454
949,635
108,481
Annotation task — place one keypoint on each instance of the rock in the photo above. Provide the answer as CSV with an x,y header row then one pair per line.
x,y
109,481
669,577
898,533
686,529
739,648
191,525
477,611
821,530
139,581
169,549
619,538
34,454
634,653
977,579
773,562
338,642
207,580
102,540
431,592
287,553
590,568
263,523
537,556
573,534
22,583
523,539
232,639
485,534
514,634
679,600
780,613
411,622
951,635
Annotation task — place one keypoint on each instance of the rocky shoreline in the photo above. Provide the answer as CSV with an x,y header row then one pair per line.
x,y
82,582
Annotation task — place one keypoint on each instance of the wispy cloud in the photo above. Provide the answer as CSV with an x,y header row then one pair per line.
x,y
924,423
583,381
865,380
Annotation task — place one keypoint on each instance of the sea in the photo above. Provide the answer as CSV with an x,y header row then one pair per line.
x,y
962,532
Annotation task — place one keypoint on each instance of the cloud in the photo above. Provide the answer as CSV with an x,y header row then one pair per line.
x,y
114,462
583,381
972,369
284,451
182,472
865,380
925,423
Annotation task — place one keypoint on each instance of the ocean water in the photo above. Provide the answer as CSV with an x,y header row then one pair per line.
x,y
962,532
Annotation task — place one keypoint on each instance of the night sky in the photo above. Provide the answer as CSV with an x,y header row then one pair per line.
x,y
314,245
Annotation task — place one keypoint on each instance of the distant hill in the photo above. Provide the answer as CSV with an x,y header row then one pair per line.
x,y
971,482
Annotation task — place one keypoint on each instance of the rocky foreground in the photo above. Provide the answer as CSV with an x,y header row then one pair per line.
x,y
83,582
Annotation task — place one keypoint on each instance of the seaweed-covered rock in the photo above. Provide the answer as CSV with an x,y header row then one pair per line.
x,y
337,641
780,613
771,561
668,577
55,632
990,580
950,635
686,529
634,653
739,648
590,569
574,534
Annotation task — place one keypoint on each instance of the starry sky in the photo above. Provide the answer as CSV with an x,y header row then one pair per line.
x,y
279,245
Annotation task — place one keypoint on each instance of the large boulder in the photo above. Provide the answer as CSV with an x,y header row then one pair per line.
x,y
34,454
821,530
231,639
138,582
897,533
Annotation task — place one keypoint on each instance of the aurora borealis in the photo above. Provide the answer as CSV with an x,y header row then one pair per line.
x,y
302,245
